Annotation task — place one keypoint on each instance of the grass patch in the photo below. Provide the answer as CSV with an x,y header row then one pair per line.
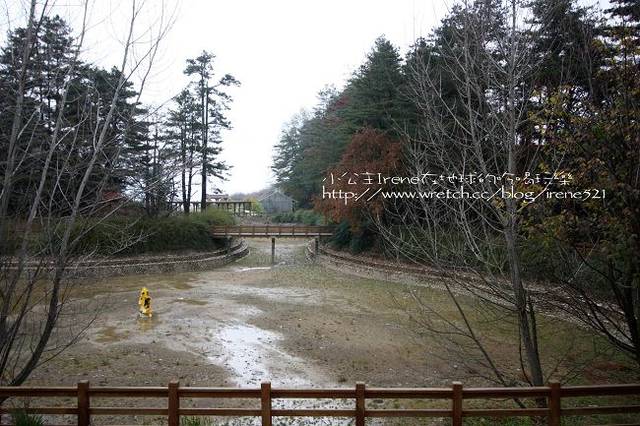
x,y
21,418
195,421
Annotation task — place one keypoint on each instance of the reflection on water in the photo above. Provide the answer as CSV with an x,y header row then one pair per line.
x,y
146,324
245,350
254,268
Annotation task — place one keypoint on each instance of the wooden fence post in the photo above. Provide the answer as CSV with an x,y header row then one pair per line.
x,y
456,406
360,403
84,403
554,404
273,250
317,246
265,403
173,405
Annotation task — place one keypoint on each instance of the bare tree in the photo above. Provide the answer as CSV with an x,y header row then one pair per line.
x,y
35,290
485,55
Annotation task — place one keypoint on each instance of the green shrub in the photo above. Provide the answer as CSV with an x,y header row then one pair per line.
x,y
211,217
304,216
21,418
310,217
287,217
502,422
342,235
195,421
362,240
128,236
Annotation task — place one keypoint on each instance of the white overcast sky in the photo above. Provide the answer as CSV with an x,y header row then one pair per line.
x,y
282,51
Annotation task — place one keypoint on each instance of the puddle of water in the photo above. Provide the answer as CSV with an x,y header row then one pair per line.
x,y
180,285
147,324
276,294
243,351
190,301
254,268
253,355
110,334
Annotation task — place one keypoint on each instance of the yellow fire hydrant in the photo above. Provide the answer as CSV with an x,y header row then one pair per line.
x,y
144,303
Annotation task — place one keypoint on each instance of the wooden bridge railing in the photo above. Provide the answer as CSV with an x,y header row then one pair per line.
x,y
85,410
272,230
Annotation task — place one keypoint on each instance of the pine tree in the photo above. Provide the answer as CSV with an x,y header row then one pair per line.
x,y
182,130
373,93
214,102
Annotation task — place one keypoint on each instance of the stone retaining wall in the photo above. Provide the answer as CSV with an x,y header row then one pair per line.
x,y
156,264
407,274
367,267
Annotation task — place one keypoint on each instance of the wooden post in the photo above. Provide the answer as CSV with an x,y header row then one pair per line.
x,y
555,407
456,406
84,403
360,403
317,246
265,403
173,405
273,250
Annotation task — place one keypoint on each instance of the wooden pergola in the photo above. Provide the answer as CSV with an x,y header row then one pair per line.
x,y
236,208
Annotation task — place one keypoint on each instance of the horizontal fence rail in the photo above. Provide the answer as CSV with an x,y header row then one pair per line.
x,y
547,401
271,230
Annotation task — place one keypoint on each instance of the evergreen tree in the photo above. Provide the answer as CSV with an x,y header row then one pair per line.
x,y
599,144
373,93
182,131
47,65
313,145
214,102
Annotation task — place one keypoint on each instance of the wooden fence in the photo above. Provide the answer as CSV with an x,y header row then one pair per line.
x,y
85,395
271,230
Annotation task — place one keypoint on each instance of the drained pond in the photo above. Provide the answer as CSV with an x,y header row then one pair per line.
x,y
295,323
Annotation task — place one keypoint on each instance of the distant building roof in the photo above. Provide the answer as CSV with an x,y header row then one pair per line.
x,y
217,196
274,193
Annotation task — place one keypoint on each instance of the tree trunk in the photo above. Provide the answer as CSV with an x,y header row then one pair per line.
x,y
205,135
527,331
183,177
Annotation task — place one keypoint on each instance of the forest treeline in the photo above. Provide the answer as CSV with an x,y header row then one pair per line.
x,y
546,88
581,91
151,157
152,154
88,169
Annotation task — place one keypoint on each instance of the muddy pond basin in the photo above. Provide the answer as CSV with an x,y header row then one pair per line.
x,y
296,324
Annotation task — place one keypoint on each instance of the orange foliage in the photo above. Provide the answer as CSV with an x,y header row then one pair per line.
x,y
370,152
